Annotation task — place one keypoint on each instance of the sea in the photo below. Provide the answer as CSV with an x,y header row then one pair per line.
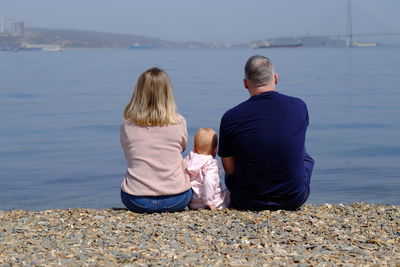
x,y
60,114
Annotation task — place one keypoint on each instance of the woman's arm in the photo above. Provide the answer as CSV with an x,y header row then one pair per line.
x,y
184,134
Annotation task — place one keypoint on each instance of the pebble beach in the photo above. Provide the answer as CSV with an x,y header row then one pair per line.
x,y
328,235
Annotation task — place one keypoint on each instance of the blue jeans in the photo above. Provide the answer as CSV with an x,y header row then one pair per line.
x,y
243,201
149,204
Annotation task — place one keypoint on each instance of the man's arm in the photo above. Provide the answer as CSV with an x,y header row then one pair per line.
x,y
229,165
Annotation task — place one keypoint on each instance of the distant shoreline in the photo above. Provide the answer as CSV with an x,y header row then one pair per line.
x,y
62,49
68,38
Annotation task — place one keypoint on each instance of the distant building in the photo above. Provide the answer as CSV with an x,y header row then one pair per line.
x,y
9,27
2,25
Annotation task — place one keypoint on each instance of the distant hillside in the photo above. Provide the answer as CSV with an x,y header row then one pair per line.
x,y
68,38
90,39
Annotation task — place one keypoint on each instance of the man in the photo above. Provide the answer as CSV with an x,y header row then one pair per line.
x,y
262,144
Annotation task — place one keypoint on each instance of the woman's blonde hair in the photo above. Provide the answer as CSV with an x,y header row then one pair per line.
x,y
152,102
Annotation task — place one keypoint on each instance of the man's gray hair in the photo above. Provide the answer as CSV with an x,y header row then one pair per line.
x,y
259,70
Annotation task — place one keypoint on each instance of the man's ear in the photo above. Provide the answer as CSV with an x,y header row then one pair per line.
x,y
245,83
276,77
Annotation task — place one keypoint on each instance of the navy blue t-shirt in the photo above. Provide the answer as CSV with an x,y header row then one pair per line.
x,y
266,135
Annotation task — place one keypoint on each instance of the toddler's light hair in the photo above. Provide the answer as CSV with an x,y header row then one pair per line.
x,y
205,141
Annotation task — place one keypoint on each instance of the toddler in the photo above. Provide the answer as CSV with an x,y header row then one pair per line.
x,y
203,170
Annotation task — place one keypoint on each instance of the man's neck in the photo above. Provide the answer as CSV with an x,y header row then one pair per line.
x,y
260,90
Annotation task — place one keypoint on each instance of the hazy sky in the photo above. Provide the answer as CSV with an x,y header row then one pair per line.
x,y
225,21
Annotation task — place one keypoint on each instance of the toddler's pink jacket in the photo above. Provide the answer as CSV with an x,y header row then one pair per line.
x,y
204,178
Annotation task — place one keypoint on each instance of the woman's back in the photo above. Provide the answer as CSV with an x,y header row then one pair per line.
x,y
153,154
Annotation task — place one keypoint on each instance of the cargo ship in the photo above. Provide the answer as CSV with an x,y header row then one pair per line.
x,y
355,44
278,45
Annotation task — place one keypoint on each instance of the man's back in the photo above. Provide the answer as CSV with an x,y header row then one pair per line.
x,y
265,135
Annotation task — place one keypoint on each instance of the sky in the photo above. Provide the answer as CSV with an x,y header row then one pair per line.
x,y
221,21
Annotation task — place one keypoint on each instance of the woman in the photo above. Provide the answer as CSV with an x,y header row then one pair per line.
x,y
153,136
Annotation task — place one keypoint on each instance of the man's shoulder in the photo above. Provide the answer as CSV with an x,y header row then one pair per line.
x,y
292,99
236,110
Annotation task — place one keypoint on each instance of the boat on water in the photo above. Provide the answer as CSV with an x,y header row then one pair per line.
x,y
22,48
278,45
52,48
139,46
356,44
6,48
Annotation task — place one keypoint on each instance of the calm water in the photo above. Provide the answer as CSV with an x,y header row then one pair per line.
x,y
60,116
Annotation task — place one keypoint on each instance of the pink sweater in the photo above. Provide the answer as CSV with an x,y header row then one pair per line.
x,y
155,163
204,178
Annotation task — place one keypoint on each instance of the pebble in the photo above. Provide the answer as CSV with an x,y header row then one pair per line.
x,y
329,235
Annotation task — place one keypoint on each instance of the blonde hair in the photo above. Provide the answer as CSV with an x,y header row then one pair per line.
x,y
152,102
205,141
